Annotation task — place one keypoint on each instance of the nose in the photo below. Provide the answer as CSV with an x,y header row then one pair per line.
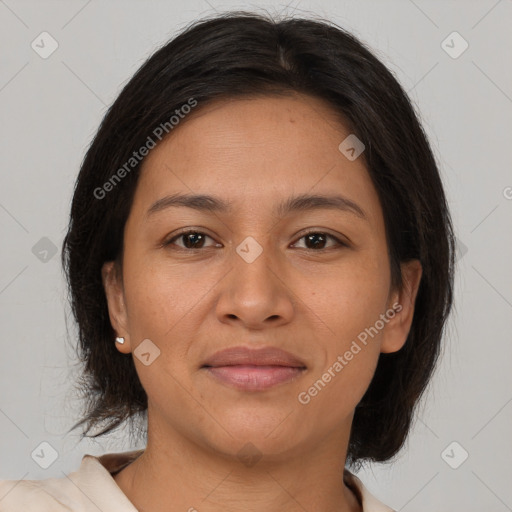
x,y
257,292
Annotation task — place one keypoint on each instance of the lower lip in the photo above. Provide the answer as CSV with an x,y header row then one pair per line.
x,y
254,378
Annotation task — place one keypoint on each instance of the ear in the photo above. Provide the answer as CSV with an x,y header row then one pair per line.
x,y
114,291
402,301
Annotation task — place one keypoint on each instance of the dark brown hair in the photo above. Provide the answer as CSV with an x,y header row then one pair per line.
x,y
238,54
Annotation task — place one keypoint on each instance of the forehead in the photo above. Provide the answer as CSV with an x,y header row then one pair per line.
x,y
254,151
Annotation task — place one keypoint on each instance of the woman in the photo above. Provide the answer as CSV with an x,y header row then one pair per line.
x,y
260,263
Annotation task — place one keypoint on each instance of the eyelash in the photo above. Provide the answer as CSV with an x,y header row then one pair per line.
x,y
196,232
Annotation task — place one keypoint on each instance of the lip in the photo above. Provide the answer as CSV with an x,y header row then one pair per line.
x,y
266,356
254,369
254,378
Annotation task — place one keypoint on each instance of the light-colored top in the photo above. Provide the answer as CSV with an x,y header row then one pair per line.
x,y
92,488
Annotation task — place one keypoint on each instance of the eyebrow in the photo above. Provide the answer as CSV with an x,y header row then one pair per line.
x,y
301,203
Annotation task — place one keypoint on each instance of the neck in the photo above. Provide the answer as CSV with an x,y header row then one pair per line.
x,y
176,474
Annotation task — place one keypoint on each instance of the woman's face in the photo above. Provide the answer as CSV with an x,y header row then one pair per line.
x,y
252,277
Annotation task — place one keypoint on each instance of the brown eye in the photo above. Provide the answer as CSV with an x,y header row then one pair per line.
x,y
316,240
190,239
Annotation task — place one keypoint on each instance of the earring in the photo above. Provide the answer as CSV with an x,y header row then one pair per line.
x,y
120,340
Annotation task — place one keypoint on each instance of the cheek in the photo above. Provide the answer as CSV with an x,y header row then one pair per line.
x,y
351,297
350,306
165,306
161,298
336,391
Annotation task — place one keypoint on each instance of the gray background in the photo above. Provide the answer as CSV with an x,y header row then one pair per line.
x,y
50,110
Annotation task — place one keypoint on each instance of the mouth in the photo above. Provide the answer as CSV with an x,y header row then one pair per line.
x,y
254,378
254,369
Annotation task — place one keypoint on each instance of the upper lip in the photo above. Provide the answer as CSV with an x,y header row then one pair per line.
x,y
266,356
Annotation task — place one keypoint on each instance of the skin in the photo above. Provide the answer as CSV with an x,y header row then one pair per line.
x,y
312,302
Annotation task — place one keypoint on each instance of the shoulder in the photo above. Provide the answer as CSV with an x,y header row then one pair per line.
x,y
369,503
90,488
35,495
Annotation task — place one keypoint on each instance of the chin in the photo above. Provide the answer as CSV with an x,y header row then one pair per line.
x,y
269,430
